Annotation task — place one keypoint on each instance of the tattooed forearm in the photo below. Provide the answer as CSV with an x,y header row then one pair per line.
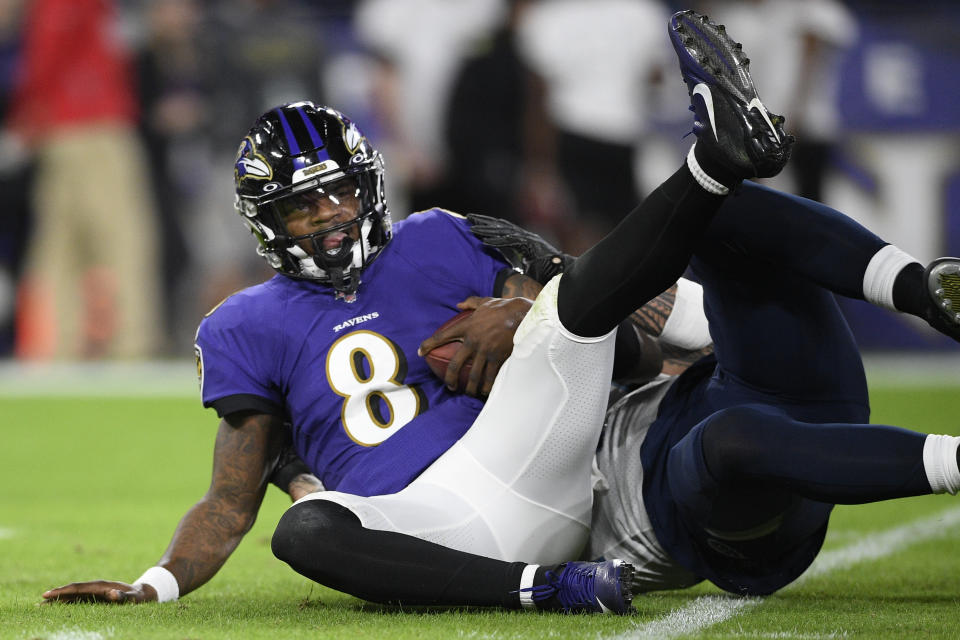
x,y
652,316
677,360
521,286
212,528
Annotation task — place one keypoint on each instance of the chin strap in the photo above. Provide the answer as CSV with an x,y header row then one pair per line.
x,y
341,267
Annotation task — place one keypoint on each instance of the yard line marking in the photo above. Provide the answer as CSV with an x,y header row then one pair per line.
x,y
703,612
6,533
787,635
707,611
878,545
76,633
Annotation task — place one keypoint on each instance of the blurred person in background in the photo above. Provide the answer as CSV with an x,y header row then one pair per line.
x,y
418,45
484,122
172,77
93,269
256,54
600,62
500,160
16,173
797,47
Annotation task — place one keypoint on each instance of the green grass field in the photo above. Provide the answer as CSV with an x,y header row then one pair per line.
x,y
92,487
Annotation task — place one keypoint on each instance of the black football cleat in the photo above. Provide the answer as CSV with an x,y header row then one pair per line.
x,y
730,119
942,278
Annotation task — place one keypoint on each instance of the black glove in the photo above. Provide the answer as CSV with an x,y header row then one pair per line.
x,y
523,249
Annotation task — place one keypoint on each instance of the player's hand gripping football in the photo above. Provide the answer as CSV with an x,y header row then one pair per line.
x,y
523,249
486,338
101,591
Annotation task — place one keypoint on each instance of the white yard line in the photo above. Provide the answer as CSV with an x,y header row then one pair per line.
x,y
76,633
787,635
884,543
701,613
707,611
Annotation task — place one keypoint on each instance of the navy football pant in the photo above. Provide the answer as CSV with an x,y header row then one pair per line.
x,y
777,433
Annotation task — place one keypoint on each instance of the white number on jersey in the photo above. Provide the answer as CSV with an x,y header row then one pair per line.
x,y
368,369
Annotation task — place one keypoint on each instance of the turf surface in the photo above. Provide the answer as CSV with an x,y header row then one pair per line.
x,y
92,488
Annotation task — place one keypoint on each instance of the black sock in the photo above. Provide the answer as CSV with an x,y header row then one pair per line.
x,y
550,603
326,543
715,168
909,290
646,253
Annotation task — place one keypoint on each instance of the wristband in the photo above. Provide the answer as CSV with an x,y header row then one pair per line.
x,y
163,581
686,326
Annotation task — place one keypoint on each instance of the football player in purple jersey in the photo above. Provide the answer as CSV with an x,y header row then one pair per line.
x,y
433,497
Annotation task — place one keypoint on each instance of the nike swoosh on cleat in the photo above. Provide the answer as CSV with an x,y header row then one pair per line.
x,y
704,92
756,104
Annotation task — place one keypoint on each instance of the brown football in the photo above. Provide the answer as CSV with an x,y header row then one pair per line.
x,y
438,358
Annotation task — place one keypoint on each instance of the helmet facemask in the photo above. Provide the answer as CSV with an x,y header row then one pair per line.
x,y
310,187
336,253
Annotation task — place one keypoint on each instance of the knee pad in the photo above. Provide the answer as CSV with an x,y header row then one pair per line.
x,y
312,520
711,455
732,436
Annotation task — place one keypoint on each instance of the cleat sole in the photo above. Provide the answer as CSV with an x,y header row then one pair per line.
x,y
944,284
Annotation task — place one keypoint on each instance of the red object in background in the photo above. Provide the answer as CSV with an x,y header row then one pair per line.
x,y
74,70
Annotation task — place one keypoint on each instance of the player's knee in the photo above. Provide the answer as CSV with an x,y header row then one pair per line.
x,y
310,522
732,438
289,532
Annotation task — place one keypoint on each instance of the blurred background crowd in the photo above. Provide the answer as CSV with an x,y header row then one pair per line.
x,y
121,120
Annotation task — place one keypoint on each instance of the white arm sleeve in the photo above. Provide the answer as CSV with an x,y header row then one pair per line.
x,y
686,326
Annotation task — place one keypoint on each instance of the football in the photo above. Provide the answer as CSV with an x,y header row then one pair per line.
x,y
438,358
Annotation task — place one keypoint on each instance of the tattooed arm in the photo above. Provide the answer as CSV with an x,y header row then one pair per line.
x,y
487,337
246,447
520,286
652,317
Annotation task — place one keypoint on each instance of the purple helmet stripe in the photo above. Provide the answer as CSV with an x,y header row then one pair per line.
x,y
288,133
314,136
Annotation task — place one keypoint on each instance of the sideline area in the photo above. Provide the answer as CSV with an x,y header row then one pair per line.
x,y
179,377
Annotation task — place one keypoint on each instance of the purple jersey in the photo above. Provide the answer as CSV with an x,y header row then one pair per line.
x,y
367,413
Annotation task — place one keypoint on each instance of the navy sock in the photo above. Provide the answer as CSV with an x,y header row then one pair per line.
x,y
909,291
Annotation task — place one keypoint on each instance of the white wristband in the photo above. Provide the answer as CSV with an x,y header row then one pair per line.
x,y
163,581
687,326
